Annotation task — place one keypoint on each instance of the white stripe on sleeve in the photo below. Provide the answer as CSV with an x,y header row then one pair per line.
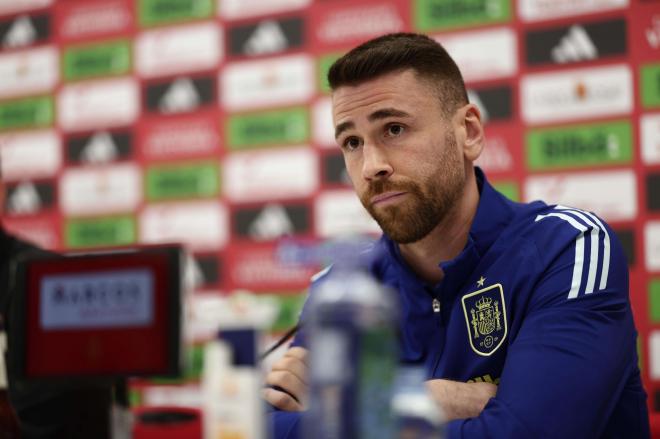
x,y
579,250
606,246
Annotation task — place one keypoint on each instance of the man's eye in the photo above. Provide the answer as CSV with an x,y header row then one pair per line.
x,y
351,143
394,130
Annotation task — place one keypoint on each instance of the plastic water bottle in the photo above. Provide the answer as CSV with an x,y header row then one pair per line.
x,y
352,334
416,413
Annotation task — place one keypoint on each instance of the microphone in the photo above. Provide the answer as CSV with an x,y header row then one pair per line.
x,y
290,333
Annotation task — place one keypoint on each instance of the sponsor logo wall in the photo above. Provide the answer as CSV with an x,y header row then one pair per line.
x,y
208,122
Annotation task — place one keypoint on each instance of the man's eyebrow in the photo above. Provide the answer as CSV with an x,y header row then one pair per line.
x,y
376,115
385,113
343,127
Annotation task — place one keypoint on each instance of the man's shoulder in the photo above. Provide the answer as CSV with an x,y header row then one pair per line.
x,y
553,228
371,255
575,253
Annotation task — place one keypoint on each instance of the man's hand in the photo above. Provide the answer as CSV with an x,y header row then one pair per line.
x,y
289,374
461,400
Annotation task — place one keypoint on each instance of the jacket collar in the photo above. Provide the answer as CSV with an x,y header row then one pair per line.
x,y
494,213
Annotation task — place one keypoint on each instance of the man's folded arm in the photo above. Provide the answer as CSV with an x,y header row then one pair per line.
x,y
562,378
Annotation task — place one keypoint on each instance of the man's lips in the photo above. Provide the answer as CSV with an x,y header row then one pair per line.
x,y
386,196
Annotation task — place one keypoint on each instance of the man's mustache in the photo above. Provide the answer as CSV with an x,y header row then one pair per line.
x,y
381,186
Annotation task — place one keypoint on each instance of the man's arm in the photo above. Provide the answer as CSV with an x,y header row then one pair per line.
x,y
460,400
573,359
557,383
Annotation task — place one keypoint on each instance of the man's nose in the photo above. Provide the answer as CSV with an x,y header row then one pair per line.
x,y
375,163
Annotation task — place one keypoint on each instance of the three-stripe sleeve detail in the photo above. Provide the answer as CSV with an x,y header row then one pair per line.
x,y
606,241
583,222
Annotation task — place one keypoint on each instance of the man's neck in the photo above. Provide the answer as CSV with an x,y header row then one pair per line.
x,y
447,239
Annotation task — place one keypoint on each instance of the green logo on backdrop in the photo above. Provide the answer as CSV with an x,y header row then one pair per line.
x,y
650,86
654,300
104,59
324,65
100,232
191,180
290,305
268,128
584,145
26,113
154,12
508,188
445,14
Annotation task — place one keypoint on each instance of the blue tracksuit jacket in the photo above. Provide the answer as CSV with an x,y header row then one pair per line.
x,y
537,302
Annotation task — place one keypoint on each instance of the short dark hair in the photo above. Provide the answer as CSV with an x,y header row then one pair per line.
x,y
402,51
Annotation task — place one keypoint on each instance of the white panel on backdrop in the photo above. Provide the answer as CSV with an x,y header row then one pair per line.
x,y
233,9
280,81
172,138
178,49
86,19
609,194
98,104
576,94
359,21
650,138
203,225
18,152
652,245
484,54
654,354
97,190
11,6
340,213
267,174
536,10
324,130
29,71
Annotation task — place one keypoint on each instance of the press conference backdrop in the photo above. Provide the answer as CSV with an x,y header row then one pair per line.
x,y
209,122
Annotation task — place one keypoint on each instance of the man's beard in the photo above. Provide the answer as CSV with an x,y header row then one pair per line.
x,y
428,202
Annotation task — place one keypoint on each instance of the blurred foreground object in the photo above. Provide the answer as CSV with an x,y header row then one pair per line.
x,y
353,351
84,322
232,376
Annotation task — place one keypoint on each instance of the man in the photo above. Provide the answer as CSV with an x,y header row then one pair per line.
x,y
47,410
520,312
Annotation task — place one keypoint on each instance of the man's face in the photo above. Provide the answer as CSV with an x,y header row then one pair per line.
x,y
400,152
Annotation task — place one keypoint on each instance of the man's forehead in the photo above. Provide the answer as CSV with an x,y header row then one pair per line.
x,y
400,90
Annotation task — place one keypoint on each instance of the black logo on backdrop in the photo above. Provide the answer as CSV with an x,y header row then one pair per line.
x,y
24,30
495,102
100,147
271,221
267,36
627,239
334,170
29,197
207,269
653,192
576,43
180,95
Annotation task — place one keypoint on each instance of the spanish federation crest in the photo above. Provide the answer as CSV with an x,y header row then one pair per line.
x,y
485,316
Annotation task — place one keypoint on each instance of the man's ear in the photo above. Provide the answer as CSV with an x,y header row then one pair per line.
x,y
474,132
